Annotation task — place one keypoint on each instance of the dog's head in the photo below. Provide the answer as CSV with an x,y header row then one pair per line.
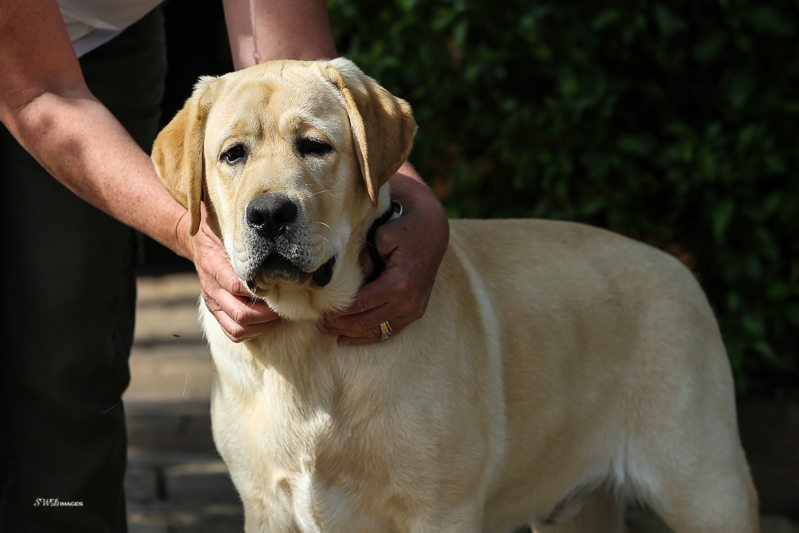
x,y
291,157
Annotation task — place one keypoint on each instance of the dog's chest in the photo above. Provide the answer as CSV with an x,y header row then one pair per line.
x,y
316,507
300,454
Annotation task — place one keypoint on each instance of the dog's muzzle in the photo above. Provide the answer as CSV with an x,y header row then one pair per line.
x,y
275,225
281,268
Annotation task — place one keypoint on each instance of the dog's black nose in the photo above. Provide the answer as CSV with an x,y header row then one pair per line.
x,y
270,214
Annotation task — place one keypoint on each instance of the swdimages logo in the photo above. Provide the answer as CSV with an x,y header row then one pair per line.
x,y
54,502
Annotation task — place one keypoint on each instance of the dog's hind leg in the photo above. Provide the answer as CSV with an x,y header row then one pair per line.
x,y
720,499
691,470
682,453
602,512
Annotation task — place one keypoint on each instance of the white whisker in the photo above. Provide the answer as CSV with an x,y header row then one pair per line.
x,y
328,245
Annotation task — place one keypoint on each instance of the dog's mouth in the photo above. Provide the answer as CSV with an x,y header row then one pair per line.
x,y
276,267
322,275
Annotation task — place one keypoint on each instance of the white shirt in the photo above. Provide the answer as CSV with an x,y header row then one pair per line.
x,y
91,23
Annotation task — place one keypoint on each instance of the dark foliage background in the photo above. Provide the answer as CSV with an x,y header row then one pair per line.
x,y
674,122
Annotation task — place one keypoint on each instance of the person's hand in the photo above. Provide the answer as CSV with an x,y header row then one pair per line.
x,y
412,247
240,316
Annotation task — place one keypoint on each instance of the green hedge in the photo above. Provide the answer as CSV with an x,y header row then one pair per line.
x,y
673,122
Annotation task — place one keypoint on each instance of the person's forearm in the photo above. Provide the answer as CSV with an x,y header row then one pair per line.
x,y
407,186
46,105
263,30
81,143
406,171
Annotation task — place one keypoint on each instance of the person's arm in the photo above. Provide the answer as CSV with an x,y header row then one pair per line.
x,y
45,104
47,107
263,30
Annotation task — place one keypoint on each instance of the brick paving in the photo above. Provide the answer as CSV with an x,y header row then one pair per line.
x,y
177,483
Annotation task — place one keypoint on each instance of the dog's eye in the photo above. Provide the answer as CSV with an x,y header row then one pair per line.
x,y
311,147
234,155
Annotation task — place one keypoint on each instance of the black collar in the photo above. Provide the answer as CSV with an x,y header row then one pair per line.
x,y
378,265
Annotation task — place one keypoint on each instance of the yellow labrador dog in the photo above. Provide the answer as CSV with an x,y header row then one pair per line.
x,y
559,369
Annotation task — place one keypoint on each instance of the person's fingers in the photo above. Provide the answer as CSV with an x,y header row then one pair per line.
x,y
244,311
225,295
368,297
238,333
366,263
360,325
368,334
240,317
388,299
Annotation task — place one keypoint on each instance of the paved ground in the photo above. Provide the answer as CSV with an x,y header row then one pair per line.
x,y
177,483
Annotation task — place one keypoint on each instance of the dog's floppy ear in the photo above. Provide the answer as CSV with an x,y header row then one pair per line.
x,y
382,124
178,151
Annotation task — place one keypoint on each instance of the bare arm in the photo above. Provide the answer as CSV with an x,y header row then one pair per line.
x,y
45,104
278,29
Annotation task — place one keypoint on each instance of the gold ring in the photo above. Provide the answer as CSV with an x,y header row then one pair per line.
x,y
385,331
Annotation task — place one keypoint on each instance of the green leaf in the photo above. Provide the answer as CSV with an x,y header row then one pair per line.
x,y
709,48
639,145
606,18
741,85
707,163
668,22
407,5
790,106
678,129
460,32
764,349
749,134
753,325
772,203
713,130
733,301
567,81
592,206
775,164
766,19
722,215
792,314
778,290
